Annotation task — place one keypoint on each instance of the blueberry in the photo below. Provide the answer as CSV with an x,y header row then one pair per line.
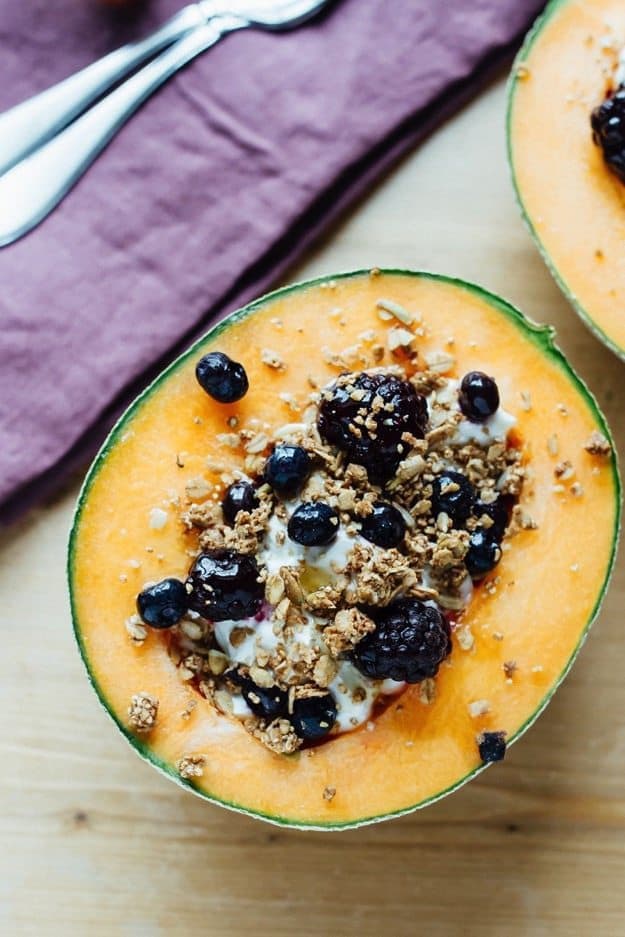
x,y
223,585
492,746
484,553
222,378
240,496
163,604
478,397
453,494
410,641
366,417
265,702
385,526
608,130
313,524
497,511
287,469
313,718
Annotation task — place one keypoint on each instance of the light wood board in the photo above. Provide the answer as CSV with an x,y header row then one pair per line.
x,y
93,841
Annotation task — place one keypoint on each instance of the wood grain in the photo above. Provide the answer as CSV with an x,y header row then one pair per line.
x,y
93,841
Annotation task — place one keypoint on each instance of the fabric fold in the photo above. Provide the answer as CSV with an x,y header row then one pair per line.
x,y
205,199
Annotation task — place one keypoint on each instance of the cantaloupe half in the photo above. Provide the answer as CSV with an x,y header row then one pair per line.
x,y
551,580
573,205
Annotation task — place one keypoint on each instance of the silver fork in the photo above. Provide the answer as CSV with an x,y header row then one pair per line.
x,y
44,161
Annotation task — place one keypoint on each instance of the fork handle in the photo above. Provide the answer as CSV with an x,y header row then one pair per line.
x,y
34,187
26,126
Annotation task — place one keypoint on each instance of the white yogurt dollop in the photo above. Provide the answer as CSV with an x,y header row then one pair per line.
x,y
244,652
278,550
494,429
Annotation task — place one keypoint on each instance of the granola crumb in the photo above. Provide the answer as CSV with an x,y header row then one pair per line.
x,y
553,444
349,626
521,520
510,667
194,628
186,712
198,488
272,359
142,712
279,736
388,309
439,361
577,490
217,662
399,338
597,444
564,470
191,766
231,440
158,518
478,708
427,691
136,629
291,401
324,671
329,793
465,637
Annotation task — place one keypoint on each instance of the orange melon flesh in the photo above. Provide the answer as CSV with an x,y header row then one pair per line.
x,y
574,206
550,580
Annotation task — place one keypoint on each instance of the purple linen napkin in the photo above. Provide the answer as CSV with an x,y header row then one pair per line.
x,y
207,196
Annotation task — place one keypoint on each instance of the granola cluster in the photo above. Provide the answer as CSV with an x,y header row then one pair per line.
x,y
317,610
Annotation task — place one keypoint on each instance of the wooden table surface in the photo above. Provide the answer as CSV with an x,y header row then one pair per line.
x,y
94,841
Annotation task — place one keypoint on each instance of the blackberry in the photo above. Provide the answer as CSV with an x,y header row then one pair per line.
x,y
366,415
313,717
265,702
409,643
287,469
454,495
492,746
385,526
223,585
163,604
479,396
222,378
313,524
608,131
483,554
240,496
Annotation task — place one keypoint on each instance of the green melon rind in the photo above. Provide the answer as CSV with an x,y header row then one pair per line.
x,y
542,336
532,36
